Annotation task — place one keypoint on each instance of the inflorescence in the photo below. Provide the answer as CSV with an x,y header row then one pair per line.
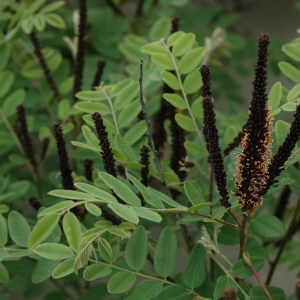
x,y
106,151
211,135
21,130
66,172
252,163
255,170
145,161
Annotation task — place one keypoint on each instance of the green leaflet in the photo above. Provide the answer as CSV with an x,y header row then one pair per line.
x,y
122,190
183,44
19,229
72,231
174,293
165,253
96,192
4,276
53,251
3,231
43,269
121,282
137,249
42,229
95,271
195,270
275,96
267,226
191,60
146,290
64,269
124,212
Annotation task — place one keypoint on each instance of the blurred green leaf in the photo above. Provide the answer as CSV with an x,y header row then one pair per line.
x,y
185,122
95,271
176,100
121,282
191,60
19,229
170,79
53,251
275,96
267,226
72,230
194,273
289,71
183,44
165,253
137,249
64,269
42,230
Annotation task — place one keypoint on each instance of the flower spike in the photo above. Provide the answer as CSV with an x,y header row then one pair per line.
x,y
211,135
66,172
252,163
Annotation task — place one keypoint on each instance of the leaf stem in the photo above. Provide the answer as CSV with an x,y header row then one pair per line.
x,y
186,99
210,254
147,276
111,108
250,264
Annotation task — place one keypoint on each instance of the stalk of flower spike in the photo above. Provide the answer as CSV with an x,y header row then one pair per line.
x,y
66,172
139,8
145,161
98,75
88,169
34,202
106,151
44,66
211,136
79,60
252,163
45,145
159,134
24,137
178,149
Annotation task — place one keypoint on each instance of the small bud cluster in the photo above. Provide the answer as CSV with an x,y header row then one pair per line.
x,y
98,75
34,202
110,217
145,161
66,172
79,61
44,66
178,149
88,169
211,135
45,145
21,130
106,151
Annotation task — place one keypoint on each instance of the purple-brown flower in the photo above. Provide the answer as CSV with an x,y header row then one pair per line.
x,y
252,163
66,172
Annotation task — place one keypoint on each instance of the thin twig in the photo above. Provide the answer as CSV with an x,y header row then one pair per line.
x,y
283,243
250,264
149,134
